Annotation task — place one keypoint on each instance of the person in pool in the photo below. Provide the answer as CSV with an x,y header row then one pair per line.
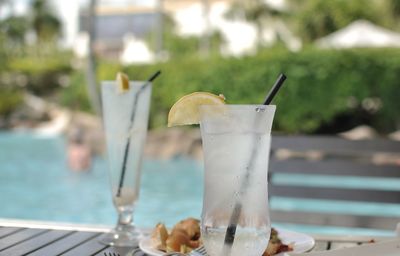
x,y
79,153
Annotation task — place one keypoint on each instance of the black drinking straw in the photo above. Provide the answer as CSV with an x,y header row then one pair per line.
x,y
233,221
275,88
121,180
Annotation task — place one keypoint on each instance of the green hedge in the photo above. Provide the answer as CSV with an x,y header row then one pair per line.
x,y
9,100
75,95
321,85
44,72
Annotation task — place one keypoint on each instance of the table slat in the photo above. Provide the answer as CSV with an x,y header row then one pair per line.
x,y
35,242
64,244
119,251
19,237
89,247
341,245
5,231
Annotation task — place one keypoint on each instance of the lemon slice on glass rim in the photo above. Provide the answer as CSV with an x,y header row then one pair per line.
x,y
186,110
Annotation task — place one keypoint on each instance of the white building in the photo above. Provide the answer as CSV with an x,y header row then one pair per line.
x,y
118,18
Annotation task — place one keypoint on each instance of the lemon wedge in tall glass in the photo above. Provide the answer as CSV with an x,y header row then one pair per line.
x,y
122,82
186,110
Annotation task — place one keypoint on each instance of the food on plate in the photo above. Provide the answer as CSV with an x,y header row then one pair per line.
x,y
159,237
191,226
185,236
275,245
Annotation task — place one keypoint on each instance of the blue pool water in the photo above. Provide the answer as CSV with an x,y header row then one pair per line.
x,y
36,184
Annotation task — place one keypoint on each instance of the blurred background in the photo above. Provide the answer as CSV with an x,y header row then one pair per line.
x,y
342,59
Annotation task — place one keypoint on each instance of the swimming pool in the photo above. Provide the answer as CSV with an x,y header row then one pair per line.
x,y
36,184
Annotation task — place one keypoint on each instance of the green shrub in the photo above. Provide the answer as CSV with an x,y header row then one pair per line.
x,y
43,72
75,96
320,87
9,100
40,70
107,70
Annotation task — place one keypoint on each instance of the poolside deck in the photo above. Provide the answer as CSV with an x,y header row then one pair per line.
x,y
48,239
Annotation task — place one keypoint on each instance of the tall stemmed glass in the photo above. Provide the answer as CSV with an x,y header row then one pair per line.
x,y
125,117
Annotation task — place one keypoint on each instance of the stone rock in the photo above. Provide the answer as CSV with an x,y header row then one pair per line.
x,y
395,135
362,132
59,120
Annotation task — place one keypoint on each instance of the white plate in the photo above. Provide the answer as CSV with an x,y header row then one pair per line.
x,y
387,248
301,242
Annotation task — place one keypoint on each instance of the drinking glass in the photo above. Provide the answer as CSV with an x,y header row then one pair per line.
x,y
125,117
236,145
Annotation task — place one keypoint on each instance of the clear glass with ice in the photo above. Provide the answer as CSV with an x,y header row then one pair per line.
x,y
236,146
125,118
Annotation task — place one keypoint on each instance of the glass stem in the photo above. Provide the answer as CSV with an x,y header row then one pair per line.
x,y
125,219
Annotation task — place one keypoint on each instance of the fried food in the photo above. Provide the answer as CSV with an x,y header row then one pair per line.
x,y
159,237
191,226
275,245
185,236
178,241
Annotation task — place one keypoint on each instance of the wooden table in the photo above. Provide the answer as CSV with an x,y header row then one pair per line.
x,y
50,239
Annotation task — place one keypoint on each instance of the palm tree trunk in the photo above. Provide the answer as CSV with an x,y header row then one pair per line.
x,y
205,39
159,31
259,28
91,84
